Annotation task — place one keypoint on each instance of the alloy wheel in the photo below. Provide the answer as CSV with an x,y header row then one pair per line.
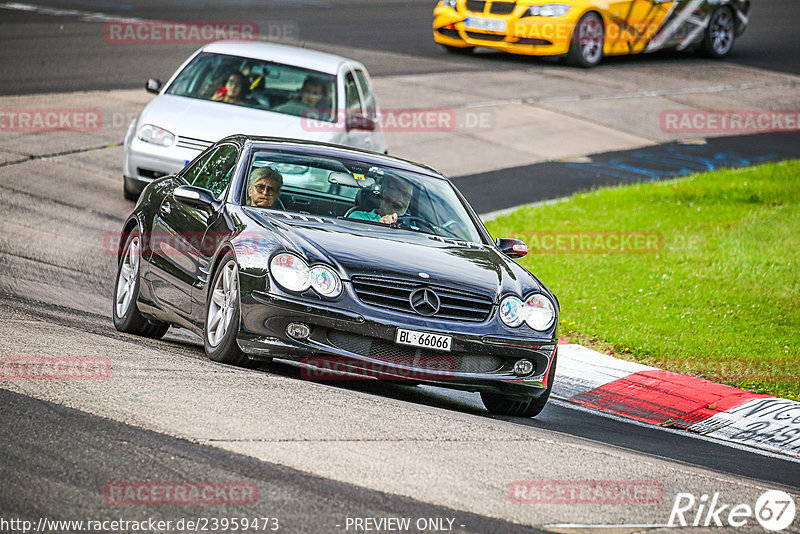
x,y
590,37
721,31
126,282
224,300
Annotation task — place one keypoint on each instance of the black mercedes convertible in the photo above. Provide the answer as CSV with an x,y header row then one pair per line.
x,y
357,265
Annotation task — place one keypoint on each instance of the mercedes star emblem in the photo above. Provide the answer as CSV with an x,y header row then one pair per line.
x,y
424,301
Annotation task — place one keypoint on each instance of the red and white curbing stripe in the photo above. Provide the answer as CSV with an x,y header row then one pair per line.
x,y
651,395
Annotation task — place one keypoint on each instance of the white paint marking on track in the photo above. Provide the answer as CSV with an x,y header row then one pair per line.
x,y
580,369
87,16
587,525
771,423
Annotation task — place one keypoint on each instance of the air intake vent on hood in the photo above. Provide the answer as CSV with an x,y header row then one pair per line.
x,y
456,242
306,218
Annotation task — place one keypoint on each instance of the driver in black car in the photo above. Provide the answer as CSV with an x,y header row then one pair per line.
x,y
396,194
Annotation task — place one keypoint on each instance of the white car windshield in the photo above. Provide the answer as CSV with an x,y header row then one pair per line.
x,y
258,84
354,190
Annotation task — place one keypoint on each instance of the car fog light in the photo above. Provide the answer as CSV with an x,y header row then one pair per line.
x,y
523,367
298,330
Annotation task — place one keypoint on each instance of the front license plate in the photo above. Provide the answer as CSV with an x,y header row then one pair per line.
x,y
479,23
423,340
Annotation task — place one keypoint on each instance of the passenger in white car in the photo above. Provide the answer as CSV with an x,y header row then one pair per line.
x,y
312,93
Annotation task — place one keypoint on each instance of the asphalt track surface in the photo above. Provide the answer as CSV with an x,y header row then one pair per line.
x,y
52,53
497,190
56,460
57,482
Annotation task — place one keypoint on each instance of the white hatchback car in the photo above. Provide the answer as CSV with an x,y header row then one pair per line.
x,y
251,88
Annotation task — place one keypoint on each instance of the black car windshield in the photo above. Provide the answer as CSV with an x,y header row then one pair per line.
x,y
351,189
258,84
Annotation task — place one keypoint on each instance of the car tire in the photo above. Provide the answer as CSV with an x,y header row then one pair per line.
x,y
720,34
588,38
520,406
459,50
126,315
128,194
221,324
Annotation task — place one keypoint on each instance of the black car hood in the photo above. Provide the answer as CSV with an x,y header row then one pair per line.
x,y
356,248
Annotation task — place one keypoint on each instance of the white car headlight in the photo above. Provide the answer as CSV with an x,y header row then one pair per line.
x,y
511,311
290,272
539,312
549,10
153,134
325,282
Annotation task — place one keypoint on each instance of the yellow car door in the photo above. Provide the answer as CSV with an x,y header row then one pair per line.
x,y
632,23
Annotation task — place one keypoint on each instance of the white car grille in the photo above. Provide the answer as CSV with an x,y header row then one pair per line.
x,y
194,144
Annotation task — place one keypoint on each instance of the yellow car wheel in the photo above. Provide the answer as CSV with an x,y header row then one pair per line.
x,y
586,48
721,33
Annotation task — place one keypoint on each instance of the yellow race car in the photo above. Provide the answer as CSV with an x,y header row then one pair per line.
x,y
586,30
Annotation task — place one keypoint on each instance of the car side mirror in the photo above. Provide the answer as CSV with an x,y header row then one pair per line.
x,y
358,121
153,85
196,197
513,248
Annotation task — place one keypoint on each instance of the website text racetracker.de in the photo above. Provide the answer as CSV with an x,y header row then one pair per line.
x,y
194,524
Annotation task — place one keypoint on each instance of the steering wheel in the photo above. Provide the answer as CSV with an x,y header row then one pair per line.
x,y
405,221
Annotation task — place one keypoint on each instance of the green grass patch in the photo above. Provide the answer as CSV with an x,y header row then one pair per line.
x,y
698,275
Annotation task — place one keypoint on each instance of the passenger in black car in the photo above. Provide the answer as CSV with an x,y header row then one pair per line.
x,y
265,188
396,194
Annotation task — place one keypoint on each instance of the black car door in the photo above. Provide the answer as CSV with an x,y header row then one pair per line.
x,y
180,231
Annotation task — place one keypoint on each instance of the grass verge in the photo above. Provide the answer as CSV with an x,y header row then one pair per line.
x,y
698,275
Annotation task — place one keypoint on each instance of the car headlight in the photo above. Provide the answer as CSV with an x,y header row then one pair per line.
x,y
153,134
325,281
452,4
290,272
548,10
511,311
539,312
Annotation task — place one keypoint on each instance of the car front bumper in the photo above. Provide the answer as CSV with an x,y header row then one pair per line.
x,y
526,35
144,162
345,345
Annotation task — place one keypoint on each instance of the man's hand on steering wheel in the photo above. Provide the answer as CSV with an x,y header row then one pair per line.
x,y
388,219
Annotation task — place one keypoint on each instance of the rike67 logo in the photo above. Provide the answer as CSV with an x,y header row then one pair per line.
x,y
774,510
